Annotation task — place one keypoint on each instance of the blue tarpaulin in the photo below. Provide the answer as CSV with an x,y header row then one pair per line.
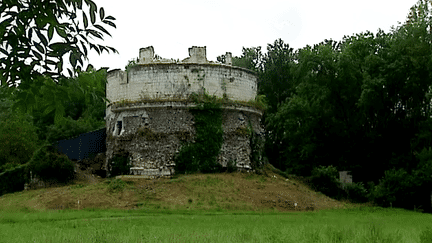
x,y
84,145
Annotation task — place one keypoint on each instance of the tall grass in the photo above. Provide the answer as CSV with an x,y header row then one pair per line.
x,y
345,225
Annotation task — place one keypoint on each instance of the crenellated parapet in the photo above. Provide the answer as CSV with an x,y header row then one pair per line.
x,y
167,79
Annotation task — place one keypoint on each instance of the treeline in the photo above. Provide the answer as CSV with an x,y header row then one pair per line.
x,y
361,104
35,115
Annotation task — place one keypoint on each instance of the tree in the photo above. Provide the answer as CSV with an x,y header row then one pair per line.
x,y
276,79
18,138
37,35
66,108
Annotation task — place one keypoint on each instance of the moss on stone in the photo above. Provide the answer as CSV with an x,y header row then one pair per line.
x,y
149,134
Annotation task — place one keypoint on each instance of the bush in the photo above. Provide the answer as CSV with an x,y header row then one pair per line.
x,y
356,192
426,235
13,180
69,128
395,189
120,164
423,180
49,165
231,166
325,180
116,185
18,137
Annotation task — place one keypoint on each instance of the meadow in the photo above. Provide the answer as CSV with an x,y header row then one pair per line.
x,y
224,207
362,224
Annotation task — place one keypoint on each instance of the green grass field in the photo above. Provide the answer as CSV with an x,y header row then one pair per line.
x,y
153,225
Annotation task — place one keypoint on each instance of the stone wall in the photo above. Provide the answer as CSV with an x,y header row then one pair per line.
x,y
154,133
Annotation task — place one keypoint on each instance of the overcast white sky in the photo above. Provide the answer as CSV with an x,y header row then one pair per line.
x,y
171,27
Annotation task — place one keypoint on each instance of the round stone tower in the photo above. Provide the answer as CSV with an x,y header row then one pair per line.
x,y
148,116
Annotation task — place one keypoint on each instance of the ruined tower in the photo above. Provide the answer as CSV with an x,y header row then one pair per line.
x,y
148,113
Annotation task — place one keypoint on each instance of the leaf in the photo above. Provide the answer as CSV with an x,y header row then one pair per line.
x,y
102,29
73,60
95,34
102,13
110,18
102,48
48,110
4,51
50,32
60,66
109,23
61,31
94,47
113,49
39,47
30,34
84,48
38,56
85,20
42,37
50,62
92,15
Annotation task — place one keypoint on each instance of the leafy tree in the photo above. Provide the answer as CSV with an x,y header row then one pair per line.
x,y
251,59
276,78
50,166
18,138
29,31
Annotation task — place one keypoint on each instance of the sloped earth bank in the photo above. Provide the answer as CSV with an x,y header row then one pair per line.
x,y
224,191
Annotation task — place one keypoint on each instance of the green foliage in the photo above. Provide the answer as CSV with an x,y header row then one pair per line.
x,y
36,37
251,59
18,137
343,101
48,165
201,155
325,180
426,235
356,192
116,185
131,63
119,164
231,166
277,81
13,179
67,108
256,142
396,188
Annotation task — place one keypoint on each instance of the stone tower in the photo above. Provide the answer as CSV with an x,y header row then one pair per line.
x,y
148,111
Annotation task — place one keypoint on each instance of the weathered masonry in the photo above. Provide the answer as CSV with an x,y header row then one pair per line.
x,y
148,115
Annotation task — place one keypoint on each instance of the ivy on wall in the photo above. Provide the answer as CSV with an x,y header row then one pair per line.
x,y
201,155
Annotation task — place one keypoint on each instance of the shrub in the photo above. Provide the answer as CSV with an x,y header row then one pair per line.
x,y
426,235
395,189
422,180
356,192
18,137
231,166
13,180
116,185
49,165
120,164
325,180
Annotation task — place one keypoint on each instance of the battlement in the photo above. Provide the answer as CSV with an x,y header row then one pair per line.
x,y
155,78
